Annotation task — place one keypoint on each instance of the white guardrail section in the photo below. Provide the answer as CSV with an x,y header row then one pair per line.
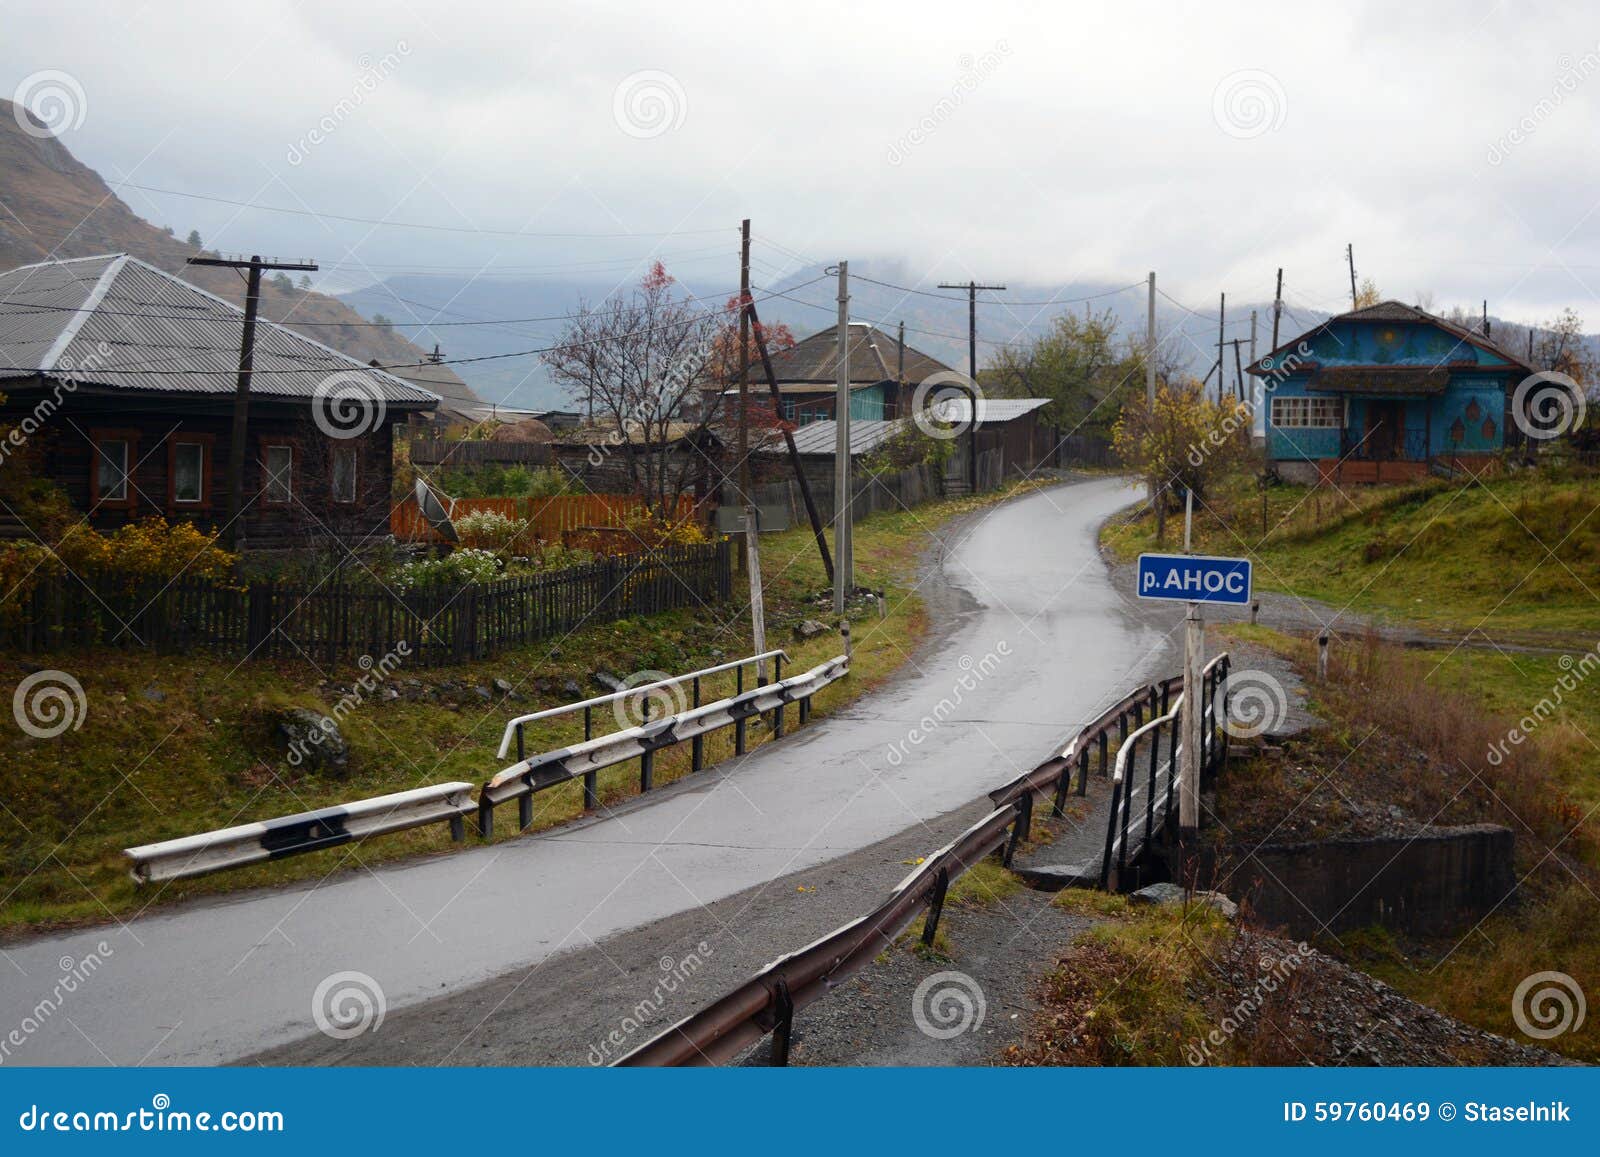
x,y
306,832
552,767
510,732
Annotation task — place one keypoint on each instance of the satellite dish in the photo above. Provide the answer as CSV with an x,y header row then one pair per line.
x,y
436,509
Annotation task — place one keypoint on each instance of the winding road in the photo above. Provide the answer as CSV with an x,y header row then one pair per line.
x,y
1030,639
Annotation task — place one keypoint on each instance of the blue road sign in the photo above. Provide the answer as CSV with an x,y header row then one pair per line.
x,y
1194,578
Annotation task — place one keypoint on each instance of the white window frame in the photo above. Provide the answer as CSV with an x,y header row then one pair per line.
x,y
200,474
1307,413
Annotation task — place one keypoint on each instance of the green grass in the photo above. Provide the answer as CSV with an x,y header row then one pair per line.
x,y
175,745
1512,557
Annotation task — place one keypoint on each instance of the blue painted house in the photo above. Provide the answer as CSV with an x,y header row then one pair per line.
x,y
1383,393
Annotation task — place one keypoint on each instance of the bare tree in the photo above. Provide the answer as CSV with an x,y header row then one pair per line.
x,y
638,364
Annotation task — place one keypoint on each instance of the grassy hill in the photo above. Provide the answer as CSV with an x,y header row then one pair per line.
x,y
1513,557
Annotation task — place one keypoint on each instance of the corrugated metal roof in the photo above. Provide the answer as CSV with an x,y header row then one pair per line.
x,y
115,321
820,437
990,410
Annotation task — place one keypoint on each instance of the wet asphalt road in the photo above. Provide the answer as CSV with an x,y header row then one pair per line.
x,y
1030,640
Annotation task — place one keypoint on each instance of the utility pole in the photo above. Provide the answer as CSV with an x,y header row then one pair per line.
x,y
1350,255
752,529
1222,312
972,288
1277,309
744,363
232,532
843,554
1252,355
1150,346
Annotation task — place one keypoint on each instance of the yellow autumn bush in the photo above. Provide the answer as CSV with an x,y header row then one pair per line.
x,y
151,548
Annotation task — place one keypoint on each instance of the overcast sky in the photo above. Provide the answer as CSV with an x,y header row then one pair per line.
x,y
1454,144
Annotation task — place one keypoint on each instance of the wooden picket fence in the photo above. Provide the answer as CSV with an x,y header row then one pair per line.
x,y
550,519
345,620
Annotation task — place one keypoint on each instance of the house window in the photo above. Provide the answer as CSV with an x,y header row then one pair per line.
x,y
279,462
188,472
344,474
1304,413
111,469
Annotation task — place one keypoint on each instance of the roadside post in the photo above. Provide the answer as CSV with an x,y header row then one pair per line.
x,y
1195,580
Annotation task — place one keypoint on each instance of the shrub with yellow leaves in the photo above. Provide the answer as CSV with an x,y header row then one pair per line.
x,y
150,549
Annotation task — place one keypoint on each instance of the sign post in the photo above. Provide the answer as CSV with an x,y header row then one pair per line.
x,y
1195,580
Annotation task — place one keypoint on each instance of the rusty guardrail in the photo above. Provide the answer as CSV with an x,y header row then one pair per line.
x,y
768,1001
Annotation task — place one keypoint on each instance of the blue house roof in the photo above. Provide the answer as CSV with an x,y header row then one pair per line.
x,y
1388,336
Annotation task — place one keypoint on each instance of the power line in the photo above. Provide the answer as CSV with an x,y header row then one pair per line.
x,y
699,317
410,224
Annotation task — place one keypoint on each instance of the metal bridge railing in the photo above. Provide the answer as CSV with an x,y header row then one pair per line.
x,y
1163,779
769,1000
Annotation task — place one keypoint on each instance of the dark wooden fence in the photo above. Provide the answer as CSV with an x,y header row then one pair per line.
x,y
345,620
449,452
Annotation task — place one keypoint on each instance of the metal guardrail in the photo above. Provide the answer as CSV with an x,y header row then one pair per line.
x,y
535,773
768,1001
514,732
1163,777
328,827
307,832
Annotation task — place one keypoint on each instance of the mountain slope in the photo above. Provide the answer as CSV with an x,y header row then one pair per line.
x,y
53,205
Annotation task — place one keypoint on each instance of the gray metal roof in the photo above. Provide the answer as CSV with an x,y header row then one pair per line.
x,y
118,322
819,437
954,408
